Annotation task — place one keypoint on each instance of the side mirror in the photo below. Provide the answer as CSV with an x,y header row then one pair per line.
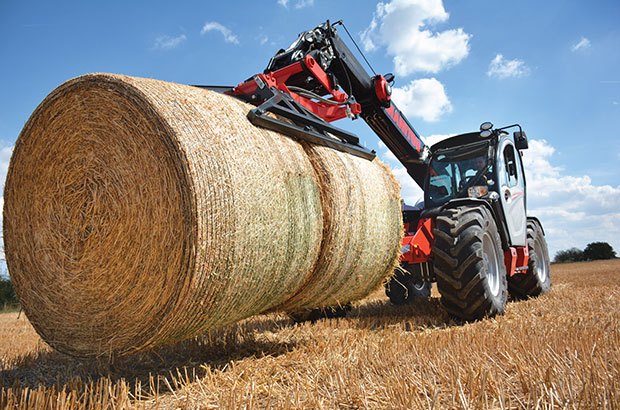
x,y
520,140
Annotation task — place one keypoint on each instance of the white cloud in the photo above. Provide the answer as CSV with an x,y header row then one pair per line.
x,y
409,190
582,44
502,68
425,98
5,156
573,210
299,4
166,42
404,28
229,36
304,3
435,138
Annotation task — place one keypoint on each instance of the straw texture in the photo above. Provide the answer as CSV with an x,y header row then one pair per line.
x,y
360,199
139,213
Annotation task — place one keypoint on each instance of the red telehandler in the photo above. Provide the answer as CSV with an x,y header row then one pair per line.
x,y
471,236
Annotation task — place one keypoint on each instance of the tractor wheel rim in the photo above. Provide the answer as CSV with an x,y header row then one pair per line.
x,y
492,262
541,265
419,285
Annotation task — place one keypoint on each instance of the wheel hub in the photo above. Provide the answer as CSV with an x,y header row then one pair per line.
x,y
541,266
491,261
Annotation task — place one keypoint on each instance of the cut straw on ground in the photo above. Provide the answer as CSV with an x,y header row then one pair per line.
x,y
556,351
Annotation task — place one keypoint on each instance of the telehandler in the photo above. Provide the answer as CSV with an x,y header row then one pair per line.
x,y
471,235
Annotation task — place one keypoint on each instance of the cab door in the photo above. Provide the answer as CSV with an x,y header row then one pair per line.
x,y
512,191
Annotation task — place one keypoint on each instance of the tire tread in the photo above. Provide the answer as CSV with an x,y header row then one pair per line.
x,y
459,265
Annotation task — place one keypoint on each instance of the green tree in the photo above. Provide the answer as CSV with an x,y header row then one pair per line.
x,y
569,255
7,293
598,250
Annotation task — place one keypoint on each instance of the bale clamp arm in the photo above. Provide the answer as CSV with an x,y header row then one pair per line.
x,y
305,117
318,80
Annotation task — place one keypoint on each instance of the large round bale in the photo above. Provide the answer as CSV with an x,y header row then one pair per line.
x,y
360,230
139,213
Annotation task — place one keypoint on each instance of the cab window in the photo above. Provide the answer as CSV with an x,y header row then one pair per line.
x,y
453,170
510,166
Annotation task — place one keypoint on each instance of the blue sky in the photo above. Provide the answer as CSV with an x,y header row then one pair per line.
x,y
553,66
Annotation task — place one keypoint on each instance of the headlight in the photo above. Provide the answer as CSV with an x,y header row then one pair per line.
x,y
477,191
405,248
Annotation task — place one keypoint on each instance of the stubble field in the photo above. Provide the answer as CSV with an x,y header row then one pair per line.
x,y
561,350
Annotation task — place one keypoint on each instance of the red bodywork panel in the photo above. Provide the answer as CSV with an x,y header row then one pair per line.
x,y
419,242
278,78
516,259
404,127
417,248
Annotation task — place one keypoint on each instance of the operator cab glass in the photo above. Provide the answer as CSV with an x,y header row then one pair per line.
x,y
453,170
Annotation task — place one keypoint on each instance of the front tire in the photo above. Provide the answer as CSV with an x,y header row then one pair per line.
x,y
537,279
469,264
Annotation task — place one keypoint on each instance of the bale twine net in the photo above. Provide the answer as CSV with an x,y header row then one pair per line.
x,y
139,213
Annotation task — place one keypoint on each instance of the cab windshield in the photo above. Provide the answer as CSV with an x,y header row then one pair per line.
x,y
453,170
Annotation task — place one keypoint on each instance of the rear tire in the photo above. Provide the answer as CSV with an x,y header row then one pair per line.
x,y
406,287
469,263
537,279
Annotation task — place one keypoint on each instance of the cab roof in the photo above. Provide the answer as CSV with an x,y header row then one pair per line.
x,y
458,140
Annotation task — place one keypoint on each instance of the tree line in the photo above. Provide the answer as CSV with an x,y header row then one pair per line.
x,y
7,293
593,251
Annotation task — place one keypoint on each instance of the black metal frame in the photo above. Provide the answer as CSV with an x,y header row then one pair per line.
x,y
218,88
304,125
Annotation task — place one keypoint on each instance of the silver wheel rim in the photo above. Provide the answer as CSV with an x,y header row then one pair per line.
x,y
541,265
490,257
418,285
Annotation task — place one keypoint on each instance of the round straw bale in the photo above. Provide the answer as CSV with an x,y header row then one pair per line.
x,y
139,213
362,223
